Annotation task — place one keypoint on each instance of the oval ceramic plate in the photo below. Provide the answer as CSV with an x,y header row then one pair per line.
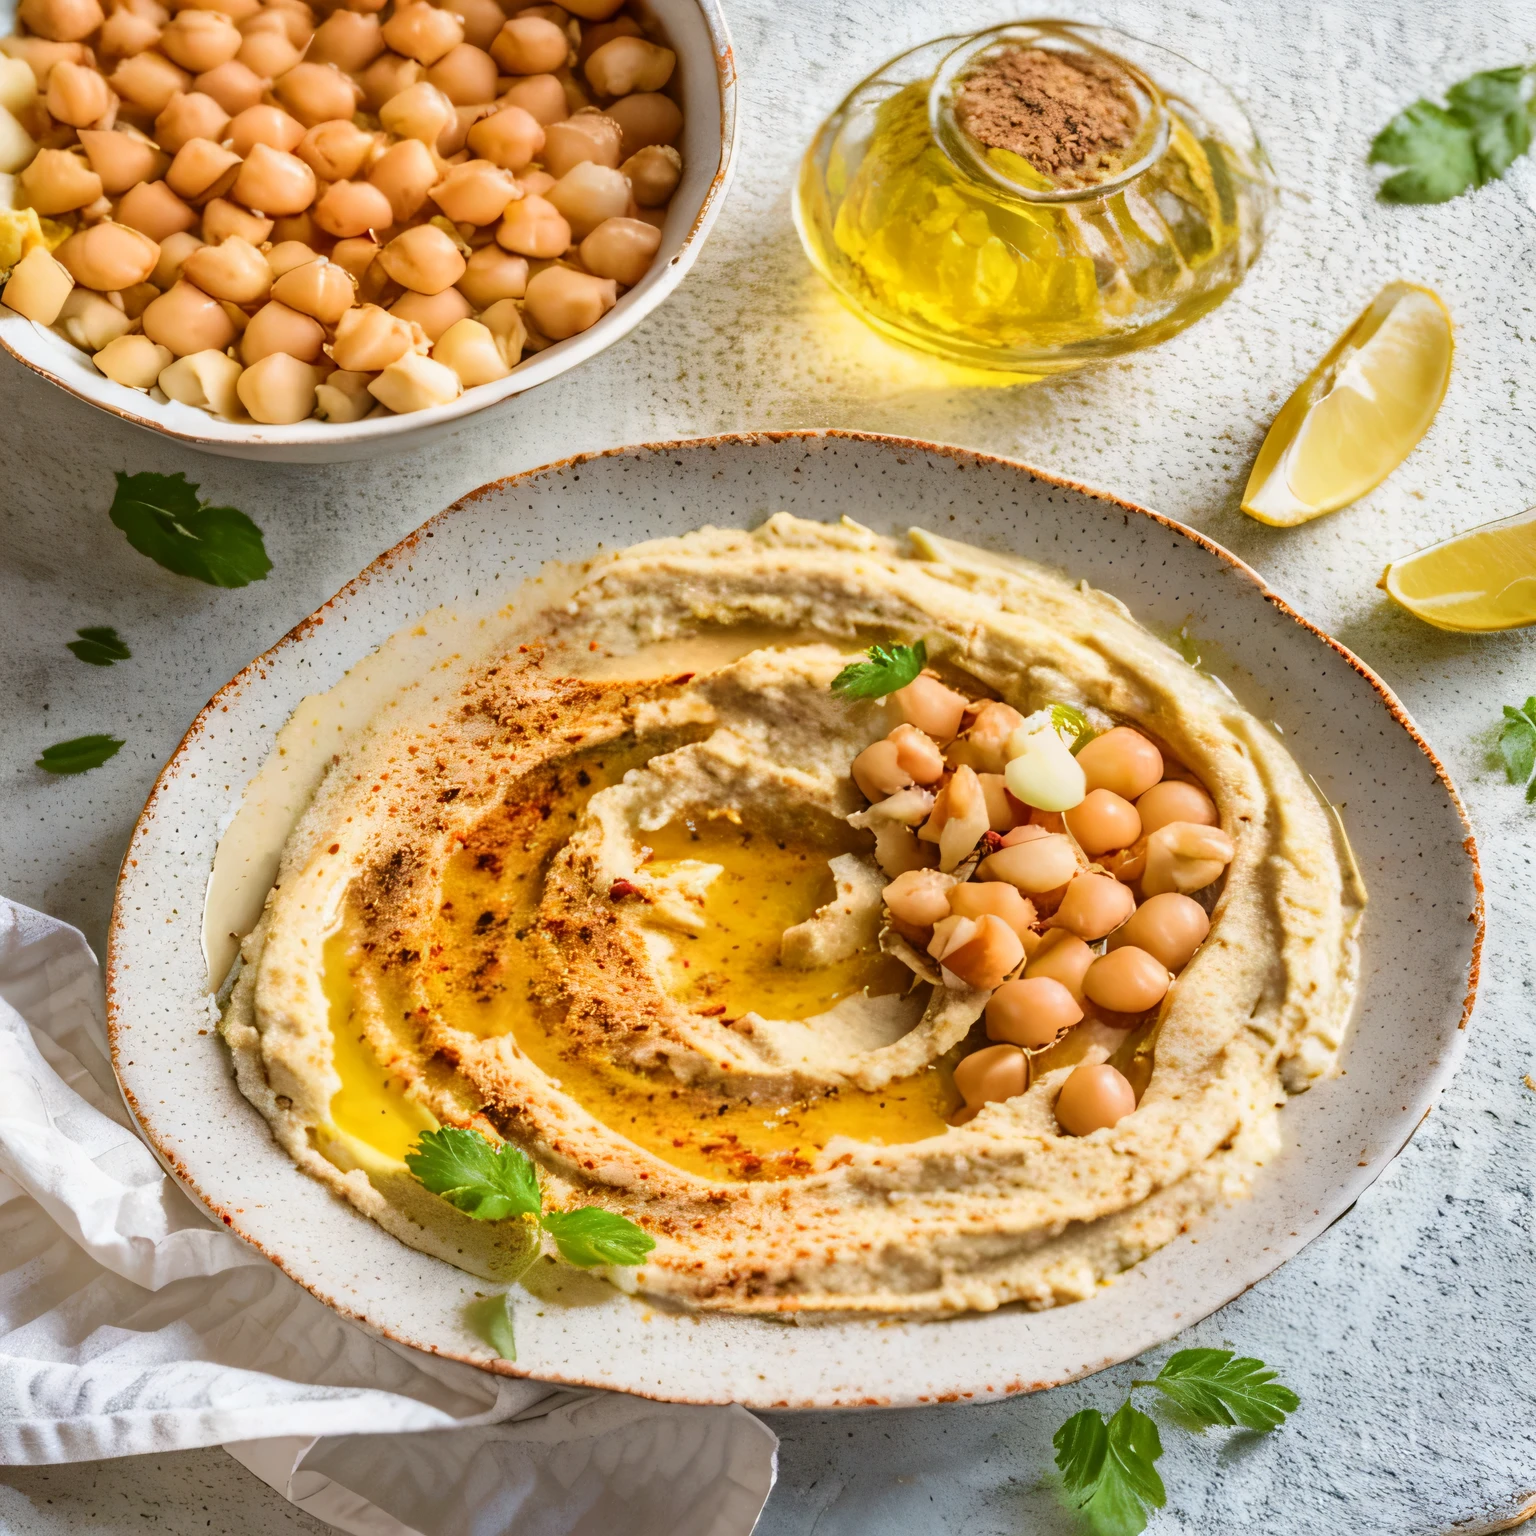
x,y
1421,939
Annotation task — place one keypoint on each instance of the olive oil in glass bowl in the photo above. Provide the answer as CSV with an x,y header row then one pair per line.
x,y
974,255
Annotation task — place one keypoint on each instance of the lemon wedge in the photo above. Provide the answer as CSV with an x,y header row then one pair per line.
x,y
1359,413
1482,579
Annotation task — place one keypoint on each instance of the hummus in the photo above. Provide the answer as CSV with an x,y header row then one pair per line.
x,y
594,890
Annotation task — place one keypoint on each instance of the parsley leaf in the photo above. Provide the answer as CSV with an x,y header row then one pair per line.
x,y
1068,718
491,1318
163,518
485,1182
1110,1469
79,755
1218,1389
888,668
1517,745
592,1235
1445,151
99,646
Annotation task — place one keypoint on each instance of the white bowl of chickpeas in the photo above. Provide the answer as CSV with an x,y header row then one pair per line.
x,y
304,230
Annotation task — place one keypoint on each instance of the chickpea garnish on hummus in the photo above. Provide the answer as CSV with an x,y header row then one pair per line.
x,y
839,972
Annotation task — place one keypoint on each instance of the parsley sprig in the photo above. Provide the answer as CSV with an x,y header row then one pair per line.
x,y
493,1183
1110,1467
1069,720
1443,151
1517,745
163,518
78,755
888,668
99,645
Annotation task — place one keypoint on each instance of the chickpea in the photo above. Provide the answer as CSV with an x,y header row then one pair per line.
x,y
470,350
623,249
205,379
278,389
199,40
482,20
202,170
654,173
1093,906
934,709
593,38
355,256
984,958
593,10
1126,980
38,286
284,256
466,75
269,54
1122,760
509,138
1174,800
978,898
335,150
137,297
415,383
148,80
1035,867
387,76
1170,927
1184,856
1065,958
422,32
39,55
123,35
77,95
59,182
368,339
423,259
1094,1098
919,898
529,45
348,40
351,208
916,753
434,313
222,218
134,361
992,1075
628,64
186,319
404,173
541,96
534,227
587,194
421,111
174,250
61,21
985,741
318,288
535,183
958,820
475,192
276,328
234,271
1003,812
343,396
293,18
586,136
273,181
504,320
1032,1012
234,86
492,274
90,321
1103,821
647,118
265,125
315,93
877,770
108,257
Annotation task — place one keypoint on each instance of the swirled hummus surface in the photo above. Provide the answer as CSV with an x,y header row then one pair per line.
x,y
595,892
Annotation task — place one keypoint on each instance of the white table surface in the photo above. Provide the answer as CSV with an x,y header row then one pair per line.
x,y
1408,1328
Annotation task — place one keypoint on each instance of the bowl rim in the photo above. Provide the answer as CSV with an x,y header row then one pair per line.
x,y
564,355
400,552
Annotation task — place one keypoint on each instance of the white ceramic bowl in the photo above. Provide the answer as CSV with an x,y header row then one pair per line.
x,y
707,73
1422,932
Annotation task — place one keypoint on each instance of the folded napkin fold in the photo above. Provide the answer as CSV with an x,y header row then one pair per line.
x,y
130,1323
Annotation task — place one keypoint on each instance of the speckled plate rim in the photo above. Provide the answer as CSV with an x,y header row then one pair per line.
x,y
1129,1343
37,349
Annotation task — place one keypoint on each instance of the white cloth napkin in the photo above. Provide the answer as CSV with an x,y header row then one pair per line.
x,y
130,1323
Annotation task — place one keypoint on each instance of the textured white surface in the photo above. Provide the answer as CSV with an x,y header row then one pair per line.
x,y
1408,1327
